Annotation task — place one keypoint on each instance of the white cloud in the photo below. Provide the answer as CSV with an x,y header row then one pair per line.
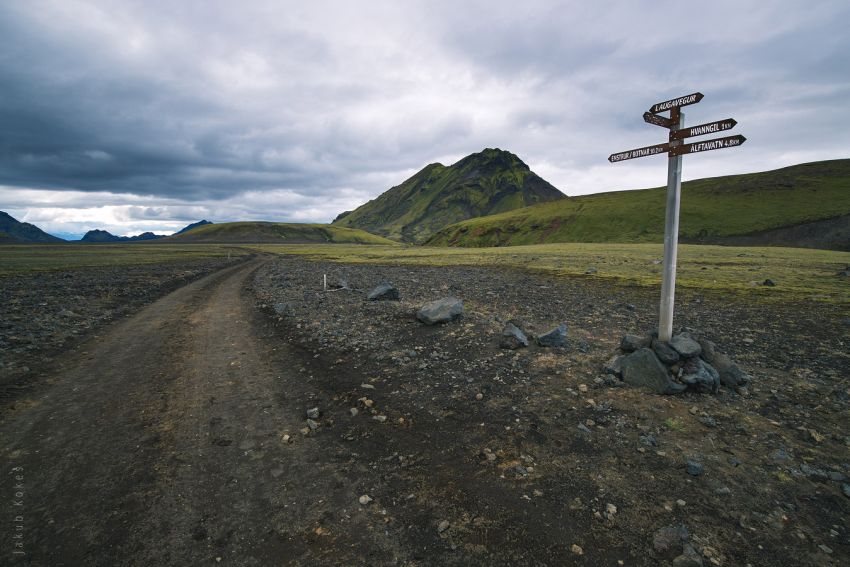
x,y
141,116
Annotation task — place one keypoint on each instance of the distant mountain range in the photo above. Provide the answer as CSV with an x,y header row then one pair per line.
x,y
104,236
488,182
13,231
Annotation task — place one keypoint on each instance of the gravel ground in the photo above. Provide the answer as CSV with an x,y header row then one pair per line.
x,y
45,314
536,456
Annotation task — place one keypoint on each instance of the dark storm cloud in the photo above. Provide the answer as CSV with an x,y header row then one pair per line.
x,y
164,111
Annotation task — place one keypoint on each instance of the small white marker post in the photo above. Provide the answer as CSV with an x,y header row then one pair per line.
x,y
671,234
675,149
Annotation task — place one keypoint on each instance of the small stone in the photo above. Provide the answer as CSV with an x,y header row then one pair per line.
x,y
582,388
286,438
680,502
825,548
610,511
353,412
384,292
694,468
479,396
364,500
631,343
443,526
577,550
845,489
668,540
312,424
583,428
379,418
591,270
513,337
768,283
537,492
313,413
723,491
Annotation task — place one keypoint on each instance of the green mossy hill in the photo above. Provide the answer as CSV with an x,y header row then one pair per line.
x,y
805,205
489,182
16,231
274,232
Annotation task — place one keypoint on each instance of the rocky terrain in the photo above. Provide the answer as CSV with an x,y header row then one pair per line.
x,y
44,314
465,452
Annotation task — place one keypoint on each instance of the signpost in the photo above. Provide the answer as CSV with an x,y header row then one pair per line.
x,y
675,149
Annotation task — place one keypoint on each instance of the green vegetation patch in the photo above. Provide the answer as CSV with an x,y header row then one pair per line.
x,y
277,232
711,208
27,258
797,273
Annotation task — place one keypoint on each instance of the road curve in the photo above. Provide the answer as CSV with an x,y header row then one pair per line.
x,y
161,443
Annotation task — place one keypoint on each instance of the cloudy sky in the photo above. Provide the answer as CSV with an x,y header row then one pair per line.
x,y
148,115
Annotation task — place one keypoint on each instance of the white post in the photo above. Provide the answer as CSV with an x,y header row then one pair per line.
x,y
671,236
325,284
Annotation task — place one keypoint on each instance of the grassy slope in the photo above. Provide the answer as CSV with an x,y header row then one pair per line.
x,y
799,274
244,232
489,182
716,207
27,258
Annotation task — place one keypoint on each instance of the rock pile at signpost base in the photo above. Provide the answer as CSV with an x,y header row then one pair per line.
x,y
684,363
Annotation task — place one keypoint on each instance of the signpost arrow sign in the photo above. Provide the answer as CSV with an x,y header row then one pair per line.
x,y
692,98
707,145
639,152
657,120
709,128
675,150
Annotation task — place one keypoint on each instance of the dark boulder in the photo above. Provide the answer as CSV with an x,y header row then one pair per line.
x,y
685,346
557,337
642,369
731,375
700,375
513,337
665,352
440,311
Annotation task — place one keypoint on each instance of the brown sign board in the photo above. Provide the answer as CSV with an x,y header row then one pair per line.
x,y
707,145
692,98
702,129
639,152
657,120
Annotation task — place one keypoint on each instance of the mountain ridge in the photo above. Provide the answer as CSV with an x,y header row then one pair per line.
x,y
487,182
16,231
805,205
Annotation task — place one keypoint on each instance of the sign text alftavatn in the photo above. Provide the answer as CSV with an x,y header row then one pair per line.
x,y
675,149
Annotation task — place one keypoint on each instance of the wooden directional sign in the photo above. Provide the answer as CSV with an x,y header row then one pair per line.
x,y
639,152
657,120
692,98
707,145
702,129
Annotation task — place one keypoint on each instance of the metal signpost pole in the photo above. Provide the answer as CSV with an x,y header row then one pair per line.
x,y
675,149
671,234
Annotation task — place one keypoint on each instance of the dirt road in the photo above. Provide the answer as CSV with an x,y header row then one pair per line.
x,y
164,440
160,443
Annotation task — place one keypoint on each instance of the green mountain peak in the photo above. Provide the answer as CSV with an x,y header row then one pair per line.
x,y
488,182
